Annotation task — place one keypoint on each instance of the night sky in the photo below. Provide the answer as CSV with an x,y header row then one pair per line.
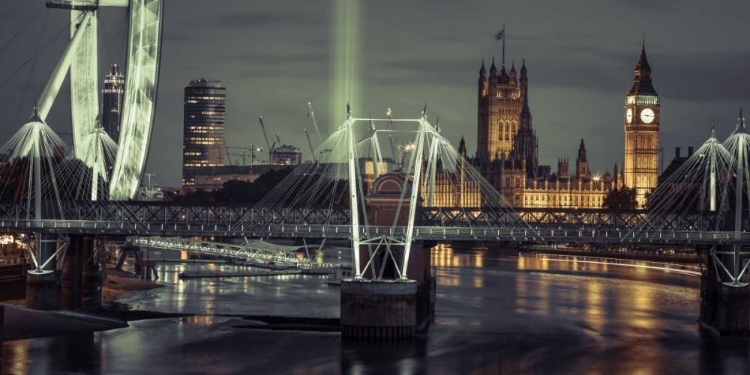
x,y
275,56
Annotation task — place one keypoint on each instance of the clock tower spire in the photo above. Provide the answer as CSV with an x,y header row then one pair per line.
x,y
642,109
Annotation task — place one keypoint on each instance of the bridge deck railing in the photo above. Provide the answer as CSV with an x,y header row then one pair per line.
x,y
344,232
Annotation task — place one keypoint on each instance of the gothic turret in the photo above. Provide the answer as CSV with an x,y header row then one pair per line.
x,y
582,163
524,79
482,84
642,84
493,69
462,147
512,74
525,143
525,111
504,79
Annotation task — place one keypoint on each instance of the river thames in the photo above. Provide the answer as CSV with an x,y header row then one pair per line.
x,y
497,313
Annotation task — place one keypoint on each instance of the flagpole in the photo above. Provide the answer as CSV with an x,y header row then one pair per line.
x,y
503,44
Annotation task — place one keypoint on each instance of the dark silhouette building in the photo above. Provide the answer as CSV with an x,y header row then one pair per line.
x,y
112,97
203,144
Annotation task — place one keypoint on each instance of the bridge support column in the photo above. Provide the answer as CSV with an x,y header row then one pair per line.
x,y
378,309
725,309
72,275
91,291
43,285
42,290
2,324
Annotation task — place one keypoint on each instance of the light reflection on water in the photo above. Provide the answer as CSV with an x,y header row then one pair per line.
x,y
497,312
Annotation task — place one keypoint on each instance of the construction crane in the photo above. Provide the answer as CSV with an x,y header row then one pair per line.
x,y
311,115
243,154
265,135
229,158
312,150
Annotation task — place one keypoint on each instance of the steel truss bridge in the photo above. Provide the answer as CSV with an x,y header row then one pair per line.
x,y
542,225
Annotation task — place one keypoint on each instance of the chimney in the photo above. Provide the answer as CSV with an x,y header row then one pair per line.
x,y
676,152
690,151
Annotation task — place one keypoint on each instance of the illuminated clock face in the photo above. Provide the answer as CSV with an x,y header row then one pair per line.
x,y
647,115
629,115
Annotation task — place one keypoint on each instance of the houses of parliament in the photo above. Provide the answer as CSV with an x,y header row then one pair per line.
x,y
508,147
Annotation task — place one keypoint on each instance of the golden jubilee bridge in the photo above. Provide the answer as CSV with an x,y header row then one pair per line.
x,y
389,208
433,223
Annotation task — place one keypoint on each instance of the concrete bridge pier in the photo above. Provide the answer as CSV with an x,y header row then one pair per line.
x,y
91,291
725,309
2,324
378,309
72,275
43,285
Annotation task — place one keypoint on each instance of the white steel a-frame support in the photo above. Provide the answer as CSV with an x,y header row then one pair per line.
x,y
353,191
414,194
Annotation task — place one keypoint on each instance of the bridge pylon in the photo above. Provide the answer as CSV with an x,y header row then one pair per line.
x,y
725,294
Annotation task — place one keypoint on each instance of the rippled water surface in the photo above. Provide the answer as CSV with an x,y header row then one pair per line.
x,y
497,313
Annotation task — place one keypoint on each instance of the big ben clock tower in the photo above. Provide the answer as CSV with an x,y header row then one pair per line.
x,y
642,132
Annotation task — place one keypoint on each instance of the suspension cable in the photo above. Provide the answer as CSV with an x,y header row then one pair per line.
x,y
37,52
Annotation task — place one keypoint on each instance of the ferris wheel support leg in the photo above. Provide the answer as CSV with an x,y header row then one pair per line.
x,y
44,104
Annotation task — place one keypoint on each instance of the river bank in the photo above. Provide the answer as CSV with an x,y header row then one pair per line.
x,y
23,323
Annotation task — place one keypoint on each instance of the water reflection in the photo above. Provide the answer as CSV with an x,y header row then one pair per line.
x,y
496,313
74,353
442,256
594,306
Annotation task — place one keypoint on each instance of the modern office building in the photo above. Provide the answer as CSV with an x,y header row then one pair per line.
x,y
203,144
112,97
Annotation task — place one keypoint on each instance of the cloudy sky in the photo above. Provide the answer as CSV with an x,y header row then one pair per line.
x,y
274,56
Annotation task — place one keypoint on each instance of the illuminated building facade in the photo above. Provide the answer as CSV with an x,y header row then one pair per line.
x,y
452,187
642,112
286,155
557,190
507,146
504,118
112,95
203,143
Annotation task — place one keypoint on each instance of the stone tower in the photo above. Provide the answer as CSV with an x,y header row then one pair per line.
x,y
500,106
642,132
582,163
525,143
